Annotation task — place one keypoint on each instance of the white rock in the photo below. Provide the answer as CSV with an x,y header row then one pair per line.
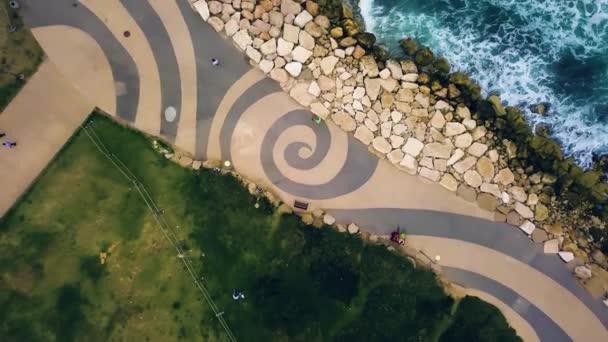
x,y
358,93
456,156
437,150
410,78
381,145
470,124
477,149
306,40
302,19
566,256
454,128
409,164
300,54
216,23
527,227
491,189
340,53
430,174
464,165
399,129
442,106
290,7
328,64
551,246
364,135
314,89
372,87
385,74
395,69
396,141
463,141
294,68
202,9
266,65
231,27
291,33
409,85
242,39
370,124
472,178
284,47
519,194
396,116
395,156
523,210
269,47
423,100
353,228
413,147
438,121
328,219
254,54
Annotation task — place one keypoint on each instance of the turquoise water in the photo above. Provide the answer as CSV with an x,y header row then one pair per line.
x,y
528,51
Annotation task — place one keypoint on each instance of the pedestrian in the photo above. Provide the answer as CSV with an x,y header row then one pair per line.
x,y
9,144
215,62
2,135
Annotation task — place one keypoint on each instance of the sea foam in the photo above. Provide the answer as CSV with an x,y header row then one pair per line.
x,y
528,51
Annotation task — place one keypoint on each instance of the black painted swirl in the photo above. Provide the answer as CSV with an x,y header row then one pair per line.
x,y
358,168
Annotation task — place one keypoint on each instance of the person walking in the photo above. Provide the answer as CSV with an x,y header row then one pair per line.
x,y
2,135
215,62
9,144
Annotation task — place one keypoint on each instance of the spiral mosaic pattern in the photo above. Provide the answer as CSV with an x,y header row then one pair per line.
x,y
234,113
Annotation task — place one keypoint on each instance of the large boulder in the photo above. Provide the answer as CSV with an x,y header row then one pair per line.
x,y
294,68
242,39
437,150
284,47
302,19
291,33
366,39
368,66
413,147
364,135
300,54
409,46
290,7
328,64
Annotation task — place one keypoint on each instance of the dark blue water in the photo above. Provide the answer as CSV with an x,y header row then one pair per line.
x,y
528,51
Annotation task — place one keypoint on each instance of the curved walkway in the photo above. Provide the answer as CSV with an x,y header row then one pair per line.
x,y
232,112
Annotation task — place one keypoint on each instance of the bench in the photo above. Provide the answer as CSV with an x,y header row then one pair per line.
x,y
300,205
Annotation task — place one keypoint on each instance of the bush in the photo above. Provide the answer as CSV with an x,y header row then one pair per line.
x,y
476,320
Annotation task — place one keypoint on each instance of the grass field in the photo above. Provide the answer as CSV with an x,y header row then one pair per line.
x,y
19,53
300,283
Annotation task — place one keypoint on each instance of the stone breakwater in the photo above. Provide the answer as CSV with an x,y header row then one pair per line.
x,y
387,105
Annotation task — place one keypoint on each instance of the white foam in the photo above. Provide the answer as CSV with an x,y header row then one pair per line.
x,y
499,62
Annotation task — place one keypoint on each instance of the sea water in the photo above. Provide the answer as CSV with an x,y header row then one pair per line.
x,y
528,51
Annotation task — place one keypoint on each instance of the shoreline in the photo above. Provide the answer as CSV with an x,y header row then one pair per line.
x,y
596,172
425,120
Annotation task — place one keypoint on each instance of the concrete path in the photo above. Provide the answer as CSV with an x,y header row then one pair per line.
x,y
41,119
234,113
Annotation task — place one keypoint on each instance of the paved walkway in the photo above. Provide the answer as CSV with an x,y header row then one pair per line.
x,y
42,117
234,113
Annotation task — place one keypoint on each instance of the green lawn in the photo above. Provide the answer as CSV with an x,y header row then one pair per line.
x,y
19,53
300,283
